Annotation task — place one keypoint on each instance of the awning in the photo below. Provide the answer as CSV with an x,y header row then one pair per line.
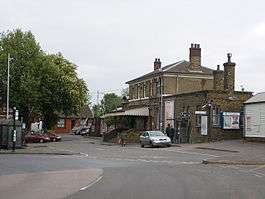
x,y
144,111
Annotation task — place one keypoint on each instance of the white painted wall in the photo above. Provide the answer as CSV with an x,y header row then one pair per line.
x,y
255,120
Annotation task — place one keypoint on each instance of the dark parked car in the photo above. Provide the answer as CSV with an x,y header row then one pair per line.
x,y
36,137
54,137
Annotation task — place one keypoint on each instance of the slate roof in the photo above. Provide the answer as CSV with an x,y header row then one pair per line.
x,y
176,68
260,97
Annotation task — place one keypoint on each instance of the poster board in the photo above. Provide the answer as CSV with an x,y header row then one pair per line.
x,y
231,120
204,125
169,113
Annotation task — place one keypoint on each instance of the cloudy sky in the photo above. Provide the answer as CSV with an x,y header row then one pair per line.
x,y
113,41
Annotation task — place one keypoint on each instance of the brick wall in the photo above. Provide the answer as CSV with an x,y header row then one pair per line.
x,y
191,102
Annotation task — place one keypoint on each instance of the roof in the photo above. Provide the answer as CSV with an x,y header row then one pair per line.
x,y
144,111
260,97
177,67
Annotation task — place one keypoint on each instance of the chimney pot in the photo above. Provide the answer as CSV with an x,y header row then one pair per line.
x,y
218,67
157,64
195,57
229,56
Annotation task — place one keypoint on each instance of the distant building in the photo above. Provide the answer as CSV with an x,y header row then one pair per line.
x,y
65,124
255,117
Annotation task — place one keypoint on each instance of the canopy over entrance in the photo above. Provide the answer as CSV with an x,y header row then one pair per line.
x,y
144,111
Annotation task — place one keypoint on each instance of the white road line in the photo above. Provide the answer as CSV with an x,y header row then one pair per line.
x,y
194,153
84,154
92,183
100,149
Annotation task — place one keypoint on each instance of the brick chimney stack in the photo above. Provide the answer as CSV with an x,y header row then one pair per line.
x,y
157,64
229,74
218,79
195,57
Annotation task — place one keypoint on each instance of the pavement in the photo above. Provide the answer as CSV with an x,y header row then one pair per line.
x,y
235,152
57,184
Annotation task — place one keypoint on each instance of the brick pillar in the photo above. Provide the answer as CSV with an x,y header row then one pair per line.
x,y
218,79
229,74
195,57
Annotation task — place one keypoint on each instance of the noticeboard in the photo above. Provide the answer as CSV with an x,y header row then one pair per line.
x,y
230,120
204,126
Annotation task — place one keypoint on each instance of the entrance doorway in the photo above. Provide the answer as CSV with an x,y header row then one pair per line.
x,y
184,130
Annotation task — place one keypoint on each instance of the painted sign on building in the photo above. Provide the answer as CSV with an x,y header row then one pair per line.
x,y
169,113
230,120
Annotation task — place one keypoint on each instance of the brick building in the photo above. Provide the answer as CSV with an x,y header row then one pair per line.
x,y
65,124
186,95
180,77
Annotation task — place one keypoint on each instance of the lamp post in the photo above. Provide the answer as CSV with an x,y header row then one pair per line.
x,y
14,136
7,92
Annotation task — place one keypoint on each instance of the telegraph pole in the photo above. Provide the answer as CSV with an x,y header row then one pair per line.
x,y
7,92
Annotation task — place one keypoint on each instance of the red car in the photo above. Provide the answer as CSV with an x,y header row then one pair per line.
x,y
34,137
53,137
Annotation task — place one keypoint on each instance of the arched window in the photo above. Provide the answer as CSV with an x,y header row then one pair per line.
x,y
215,116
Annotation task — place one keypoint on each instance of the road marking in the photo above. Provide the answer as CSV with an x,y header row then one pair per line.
x,y
100,149
84,154
258,168
194,153
92,183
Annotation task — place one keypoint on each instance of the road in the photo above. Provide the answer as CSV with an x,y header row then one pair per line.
x,y
102,171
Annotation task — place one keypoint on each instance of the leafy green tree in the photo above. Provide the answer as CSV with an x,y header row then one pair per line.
x,y
25,53
41,85
97,110
110,102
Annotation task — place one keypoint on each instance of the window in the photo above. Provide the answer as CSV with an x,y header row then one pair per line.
x,y
138,91
198,120
144,90
216,116
198,116
61,123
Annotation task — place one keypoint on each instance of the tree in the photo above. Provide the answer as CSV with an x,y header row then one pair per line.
x,y
110,102
40,84
125,92
25,52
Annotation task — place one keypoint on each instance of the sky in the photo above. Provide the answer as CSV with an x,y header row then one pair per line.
x,y
113,41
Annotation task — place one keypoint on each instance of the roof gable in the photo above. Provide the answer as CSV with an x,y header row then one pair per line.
x,y
178,68
260,97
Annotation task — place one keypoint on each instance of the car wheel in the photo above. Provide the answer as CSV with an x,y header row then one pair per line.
x,y
151,144
142,145
169,145
41,140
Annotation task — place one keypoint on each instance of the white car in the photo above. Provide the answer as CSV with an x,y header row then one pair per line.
x,y
154,138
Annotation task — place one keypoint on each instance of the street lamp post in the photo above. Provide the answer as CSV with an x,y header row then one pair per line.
x,y
7,92
14,135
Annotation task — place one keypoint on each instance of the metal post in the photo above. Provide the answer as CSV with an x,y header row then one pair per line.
x,y
7,94
161,104
14,130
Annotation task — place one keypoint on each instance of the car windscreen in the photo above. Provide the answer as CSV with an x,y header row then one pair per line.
x,y
156,133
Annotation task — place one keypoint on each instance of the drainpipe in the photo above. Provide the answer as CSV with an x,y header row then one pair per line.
x,y
161,102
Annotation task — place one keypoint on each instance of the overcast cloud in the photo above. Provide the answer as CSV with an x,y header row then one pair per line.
x,y
113,41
